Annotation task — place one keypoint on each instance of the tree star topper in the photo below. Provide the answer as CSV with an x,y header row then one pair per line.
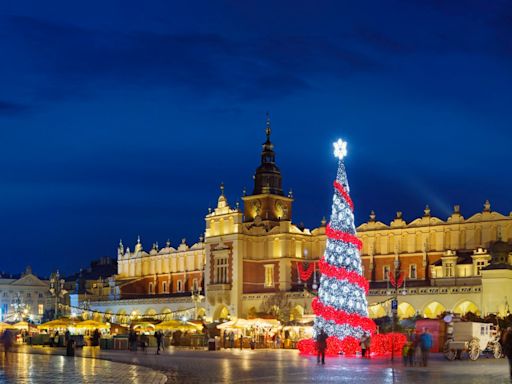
x,y
340,149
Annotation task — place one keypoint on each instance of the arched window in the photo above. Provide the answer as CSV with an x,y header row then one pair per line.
x,y
150,289
164,287
180,286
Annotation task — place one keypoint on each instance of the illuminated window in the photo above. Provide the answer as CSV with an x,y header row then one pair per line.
x,y
194,285
40,309
150,288
385,272
221,270
413,271
269,275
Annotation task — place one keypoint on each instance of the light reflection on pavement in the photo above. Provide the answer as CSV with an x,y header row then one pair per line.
x,y
21,368
287,366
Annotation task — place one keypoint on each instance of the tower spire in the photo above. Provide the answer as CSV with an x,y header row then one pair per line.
x,y
268,130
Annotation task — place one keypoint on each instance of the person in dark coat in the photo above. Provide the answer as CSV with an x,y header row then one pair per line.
x,y
321,346
507,348
159,338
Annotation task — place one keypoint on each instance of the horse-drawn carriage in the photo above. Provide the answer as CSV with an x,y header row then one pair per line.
x,y
472,339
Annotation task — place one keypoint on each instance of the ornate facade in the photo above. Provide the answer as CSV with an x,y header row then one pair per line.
x,y
247,257
24,297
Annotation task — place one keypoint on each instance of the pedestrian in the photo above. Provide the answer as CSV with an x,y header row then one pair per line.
x,y
416,348
158,336
241,342
56,338
507,348
405,353
231,339
363,345
410,354
132,340
7,340
321,346
425,345
96,338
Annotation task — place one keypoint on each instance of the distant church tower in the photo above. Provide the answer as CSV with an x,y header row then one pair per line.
x,y
267,202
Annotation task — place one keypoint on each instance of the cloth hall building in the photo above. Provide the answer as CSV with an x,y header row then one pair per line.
x,y
253,259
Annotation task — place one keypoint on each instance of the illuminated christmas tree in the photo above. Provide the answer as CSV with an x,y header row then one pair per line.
x,y
341,307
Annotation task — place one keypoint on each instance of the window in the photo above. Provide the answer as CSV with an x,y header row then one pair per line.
x,y
150,289
413,271
5,294
164,287
385,272
221,270
448,269
269,275
40,309
40,295
479,265
194,285
180,286
29,294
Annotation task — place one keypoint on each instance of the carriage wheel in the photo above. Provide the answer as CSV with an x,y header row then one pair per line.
x,y
449,354
497,351
474,349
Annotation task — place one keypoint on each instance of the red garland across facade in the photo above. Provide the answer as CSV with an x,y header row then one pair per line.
x,y
343,236
342,317
305,274
396,283
344,193
342,274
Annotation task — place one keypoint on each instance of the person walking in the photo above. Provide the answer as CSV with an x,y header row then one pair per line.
x,y
321,346
158,336
363,345
507,348
425,345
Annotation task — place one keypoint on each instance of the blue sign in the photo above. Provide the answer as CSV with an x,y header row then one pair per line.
x,y
394,304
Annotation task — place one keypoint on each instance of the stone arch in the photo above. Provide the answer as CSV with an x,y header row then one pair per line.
x,y
201,313
150,312
405,311
121,316
297,312
465,306
376,311
134,315
433,310
221,312
108,315
96,316
166,314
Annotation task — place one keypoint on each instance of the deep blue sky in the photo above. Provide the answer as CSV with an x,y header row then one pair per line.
x,y
120,118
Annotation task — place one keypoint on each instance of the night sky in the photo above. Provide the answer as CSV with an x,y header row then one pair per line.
x,y
120,118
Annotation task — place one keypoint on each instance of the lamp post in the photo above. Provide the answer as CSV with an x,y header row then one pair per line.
x,y
396,283
57,290
197,298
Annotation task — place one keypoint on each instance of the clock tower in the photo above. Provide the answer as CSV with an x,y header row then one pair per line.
x,y
267,202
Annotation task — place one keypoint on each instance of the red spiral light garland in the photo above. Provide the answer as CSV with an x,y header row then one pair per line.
x,y
342,317
344,193
342,274
343,236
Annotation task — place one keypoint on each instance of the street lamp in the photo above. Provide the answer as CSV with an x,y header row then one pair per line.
x,y
396,282
57,290
197,298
